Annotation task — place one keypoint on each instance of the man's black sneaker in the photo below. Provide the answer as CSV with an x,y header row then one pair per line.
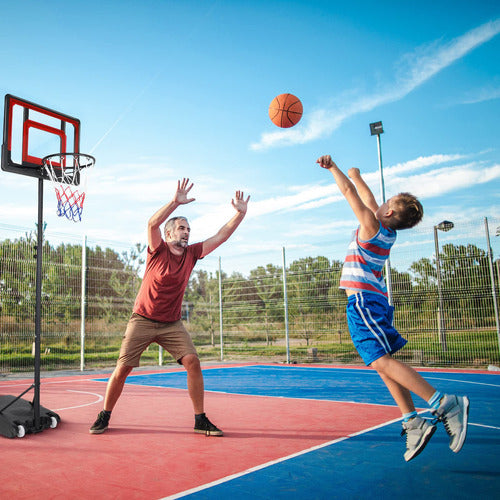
x,y
101,424
203,426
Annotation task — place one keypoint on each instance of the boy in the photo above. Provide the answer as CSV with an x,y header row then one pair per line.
x,y
369,314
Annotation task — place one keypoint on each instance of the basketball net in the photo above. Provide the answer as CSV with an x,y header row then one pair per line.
x,y
65,171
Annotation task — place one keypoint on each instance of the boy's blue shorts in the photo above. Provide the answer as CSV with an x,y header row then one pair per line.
x,y
369,317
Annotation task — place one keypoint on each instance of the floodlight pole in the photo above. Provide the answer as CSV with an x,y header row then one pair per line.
x,y
377,129
442,226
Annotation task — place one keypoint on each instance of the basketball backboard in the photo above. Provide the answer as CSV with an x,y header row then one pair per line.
x,y
31,132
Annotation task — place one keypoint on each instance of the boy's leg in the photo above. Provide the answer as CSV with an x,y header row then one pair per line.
x,y
452,410
401,395
418,430
403,375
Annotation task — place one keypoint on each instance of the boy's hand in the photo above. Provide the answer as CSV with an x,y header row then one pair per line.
x,y
353,173
325,161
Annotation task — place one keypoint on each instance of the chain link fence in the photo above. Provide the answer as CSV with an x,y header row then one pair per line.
x,y
284,307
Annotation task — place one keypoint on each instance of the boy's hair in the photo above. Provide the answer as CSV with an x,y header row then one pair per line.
x,y
170,224
408,211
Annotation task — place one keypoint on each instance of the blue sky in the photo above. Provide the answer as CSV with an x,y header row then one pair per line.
x,y
172,89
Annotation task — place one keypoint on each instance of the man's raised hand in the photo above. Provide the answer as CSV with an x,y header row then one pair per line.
x,y
183,189
239,203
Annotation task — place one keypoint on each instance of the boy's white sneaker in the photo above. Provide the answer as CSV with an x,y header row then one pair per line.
x,y
418,431
454,413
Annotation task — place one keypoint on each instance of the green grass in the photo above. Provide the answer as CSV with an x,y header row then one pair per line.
x,y
464,349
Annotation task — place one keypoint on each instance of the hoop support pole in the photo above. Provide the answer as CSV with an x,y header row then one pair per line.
x,y
38,306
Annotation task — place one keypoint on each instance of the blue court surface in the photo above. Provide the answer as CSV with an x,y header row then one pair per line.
x,y
361,464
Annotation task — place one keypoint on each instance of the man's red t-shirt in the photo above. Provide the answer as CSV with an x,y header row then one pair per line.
x,y
165,281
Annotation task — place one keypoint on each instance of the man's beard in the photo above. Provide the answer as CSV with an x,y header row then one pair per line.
x,y
180,243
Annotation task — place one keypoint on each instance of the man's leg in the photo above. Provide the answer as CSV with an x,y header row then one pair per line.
x,y
113,391
195,384
196,392
115,385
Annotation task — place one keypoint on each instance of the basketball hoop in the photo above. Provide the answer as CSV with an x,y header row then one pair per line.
x,y
65,171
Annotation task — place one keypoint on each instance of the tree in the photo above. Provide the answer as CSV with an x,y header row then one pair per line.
x,y
309,282
465,285
202,300
268,284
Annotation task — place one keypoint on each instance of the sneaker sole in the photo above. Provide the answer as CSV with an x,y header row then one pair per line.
x,y
97,431
463,434
426,438
208,433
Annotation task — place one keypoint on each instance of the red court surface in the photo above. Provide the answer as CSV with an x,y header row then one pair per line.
x,y
150,450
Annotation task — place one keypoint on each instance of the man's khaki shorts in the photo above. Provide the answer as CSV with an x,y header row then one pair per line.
x,y
141,332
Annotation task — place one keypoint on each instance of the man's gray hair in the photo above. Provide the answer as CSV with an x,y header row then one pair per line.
x,y
170,224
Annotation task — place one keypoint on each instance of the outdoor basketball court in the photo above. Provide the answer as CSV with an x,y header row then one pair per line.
x,y
290,432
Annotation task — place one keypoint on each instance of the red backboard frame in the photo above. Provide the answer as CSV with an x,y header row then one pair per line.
x,y
19,126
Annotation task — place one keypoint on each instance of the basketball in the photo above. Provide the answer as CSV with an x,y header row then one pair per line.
x,y
285,110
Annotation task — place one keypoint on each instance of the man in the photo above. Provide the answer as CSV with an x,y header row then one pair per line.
x,y
157,310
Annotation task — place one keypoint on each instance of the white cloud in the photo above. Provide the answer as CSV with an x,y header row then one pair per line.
x,y
414,70
421,162
482,95
445,180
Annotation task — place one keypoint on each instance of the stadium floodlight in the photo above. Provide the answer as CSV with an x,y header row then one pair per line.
x,y
376,128
446,225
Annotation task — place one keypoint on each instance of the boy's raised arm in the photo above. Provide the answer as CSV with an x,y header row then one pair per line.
x,y
363,190
369,225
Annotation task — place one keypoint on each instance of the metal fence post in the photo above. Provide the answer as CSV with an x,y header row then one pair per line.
x,y
220,313
492,276
285,298
83,303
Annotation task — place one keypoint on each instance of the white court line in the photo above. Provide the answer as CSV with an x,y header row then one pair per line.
x,y
486,426
274,462
463,381
50,381
98,400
